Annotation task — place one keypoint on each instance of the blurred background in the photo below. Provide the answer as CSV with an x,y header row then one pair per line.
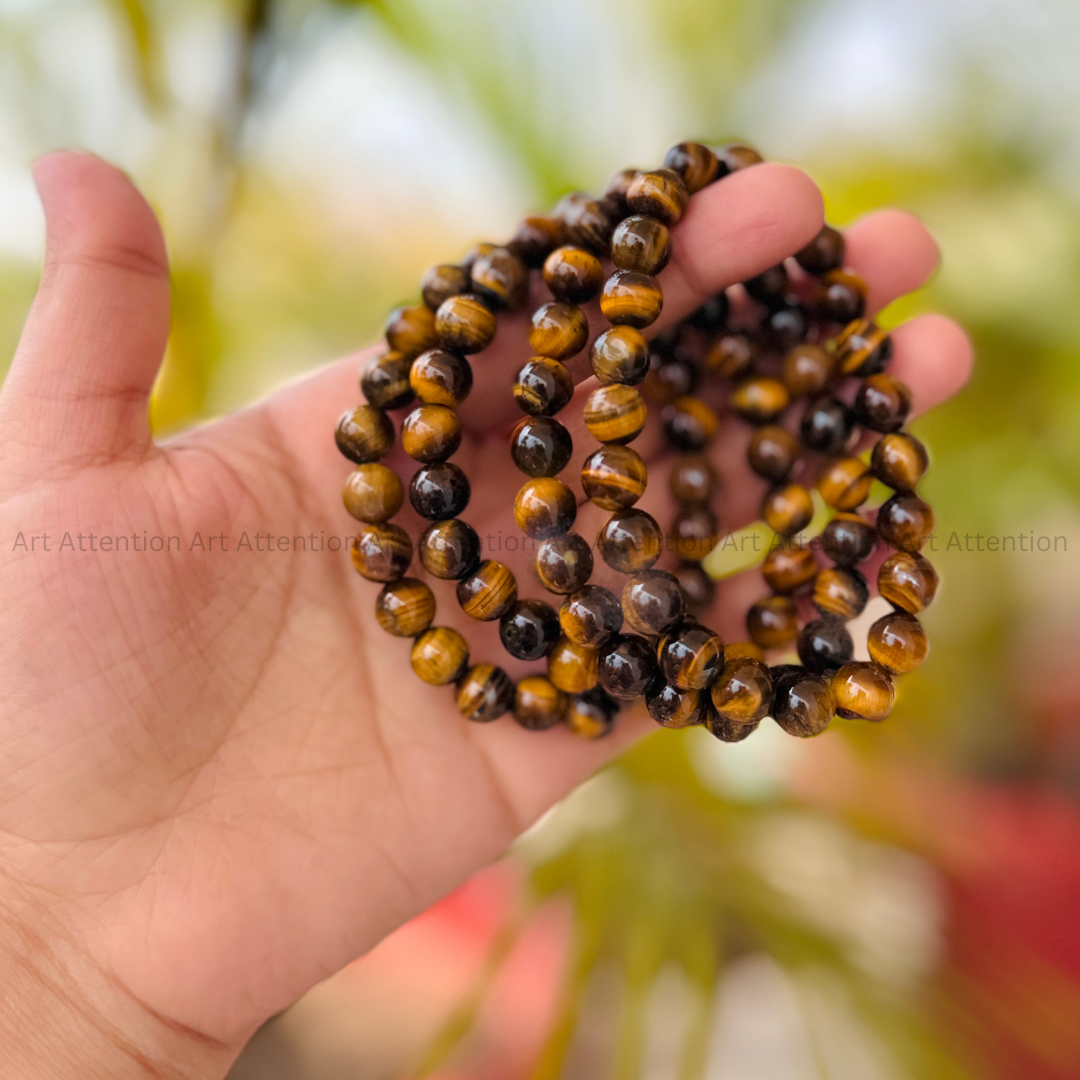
x,y
889,903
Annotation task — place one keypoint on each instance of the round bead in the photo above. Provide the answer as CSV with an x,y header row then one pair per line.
x,y
591,715
696,165
906,522
803,703
908,581
744,650
572,667
564,564
373,493
841,297
729,732
449,549
529,629
668,378
626,667
641,244
788,510
442,282
653,602
620,355
431,433
898,642
743,692
730,356
631,299
630,541
385,381
438,377
826,426
484,693
772,453
844,483
899,461
694,533
807,370
364,434
848,539
543,387
535,238
614,477
784,328
760,400
788,567
863,691
698,588
711,316
465,324
591,616
841,591
405,608
538,703
411,330
439,655
882,403
573,274
617,187
862,348
489,592
736,156
544,507
474,253
615,414
587,222
689,424
501,278
692,480
660,194
772,622
559,331
824,253
825,644
382,552
691,656
541,446
439,491
672,707
771,287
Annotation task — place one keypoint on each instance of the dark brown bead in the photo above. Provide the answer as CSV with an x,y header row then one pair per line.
x,y
641,244
784,328
692,480
653,602
788,567
543,387
899,461
841,591
728,731
772,622
848,539
630,541
438,377
698,588
772,453
788,510
615,192
564,564
615,414
465,324
660,194
669,377
591,715
743,650
689,424
489,592
382,552
825,644
807,370
696,165
743,692
573,274
824,253
411,330
535,238
572,667
405,608
771,287
385,381
730,356
841,297
544,507
439,491
373,493
443,281
626,667
906,522
439,655
672,707
862,348
364,434
826,426
590,616
587,222
882,403
711,316
844,483
760,400
691,656
898,642
529,629
538,703
558,330
620,355
501,278
541,446
431,433
908,581
614,477
694,533
863,691
474,253
736,156
803,703
449,549
485,693
631,299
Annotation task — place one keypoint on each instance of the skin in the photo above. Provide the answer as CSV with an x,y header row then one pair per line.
x,y
219,780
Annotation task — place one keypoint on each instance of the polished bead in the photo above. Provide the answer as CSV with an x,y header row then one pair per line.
x,y
484,693
692,480
630,541
784,328
669,377
730,356
803,703
905,521
615,192
848,539
538,703
385,381
587,222
529,629
788,510
826,426
614,477
382,552
736,156
541,446
698,588
908,581
620,355
626,666
590,616
743,692
439,491
691,656
591,715
841,297
694,533
559,331
728,731
807,370
641,244
672,707
882,403
544,507
431,433
824,253
696,165
443,281
572,667
475,252
449,549
439,655
573,274
564,564
489,592
465,324
543,386
772,453
364,434
863,691
535,238
712,315
411,330
772,622
899,461
788,567
438,377
689,424
405,607
898,642
771,287
631,299
862,348
841,591
653,602
373,493
745,650
760,400
825,644
501,278
844,483
615,414
660,194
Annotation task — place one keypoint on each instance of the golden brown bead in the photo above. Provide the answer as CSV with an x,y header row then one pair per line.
x,y
587,222
615,414
573,274
431,433
862,691
772,622
730,356
364,434
438,377
841,297
620,355
660,194
736,156
544,507
440,491
803,703
653,602
558,330
591,715
385,381
626,666
844,483
882,403
571,667
691,656
489,592
405,608
689,424
529,629
591,616
535,238
373,493
614,477
449,549
908,581
824,253
825,644
772,453
442,282
906,522
745,650
641,244
564,564
760,400
538,703
848,539
543,387
382,552
465,324
698,588
788,510
692,480
541,446
485,693
841,591
899,461
694,533
862,348
743,692
475,252
630,541
672,707
631,299
696,165
898,642
439,655
788,567
807,370
411,330
501,278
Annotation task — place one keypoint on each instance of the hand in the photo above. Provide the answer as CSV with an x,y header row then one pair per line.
x,y
220,781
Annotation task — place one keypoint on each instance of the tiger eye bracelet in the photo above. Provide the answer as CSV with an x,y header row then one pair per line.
x,y
787,350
